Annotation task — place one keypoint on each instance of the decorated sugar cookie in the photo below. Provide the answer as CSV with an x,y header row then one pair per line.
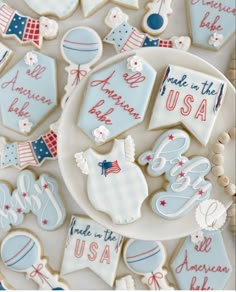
x,y
28,92
201,262
21,252
212,23
4,284
24,28
155,20
41,197
62,9
125,37
90,245
91,6
187,185
125,283
191,98
29,153
147,258
122,185
5,55
81,47
109,106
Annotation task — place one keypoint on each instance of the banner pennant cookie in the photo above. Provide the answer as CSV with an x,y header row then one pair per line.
x,y
89,245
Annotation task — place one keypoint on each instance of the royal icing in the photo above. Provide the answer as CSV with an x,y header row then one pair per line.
x,y
62,9
109,98
28,91
40,197
25,126
5,55
91,6
209,19
187,185
21,252
203,265
155,20
32,152
81,47
90,245
191,98
118,178
125,283
147,258
125,37
4,284
24,28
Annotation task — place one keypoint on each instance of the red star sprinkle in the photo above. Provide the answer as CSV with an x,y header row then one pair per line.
x,y
181,163
19,211
7,207
163,203
24,195
45,186
171,137
182,174
201,192
45,222
149,157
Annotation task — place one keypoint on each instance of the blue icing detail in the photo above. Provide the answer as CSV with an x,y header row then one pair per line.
x,y
2,287
37,97
155,21
150,42
17,26
9,156
41,150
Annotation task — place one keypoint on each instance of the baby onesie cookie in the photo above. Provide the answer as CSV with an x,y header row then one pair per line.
x,y
187,185
29,153
201,263
24,28
4,284
21,252
122,185
62,9
90,245
155,20
212,23
5,55
191,98
41,197
125,37
81,47
28,92
147,258
125,283
91,6
109,106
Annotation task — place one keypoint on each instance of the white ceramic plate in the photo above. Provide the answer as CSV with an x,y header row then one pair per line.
x,y
72,140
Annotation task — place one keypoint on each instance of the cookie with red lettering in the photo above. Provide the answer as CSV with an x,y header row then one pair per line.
x,y
5,55
90,245
201,262
211,23
28,92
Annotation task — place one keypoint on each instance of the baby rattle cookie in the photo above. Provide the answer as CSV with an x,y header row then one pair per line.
x,y
21,252
122,185
81,47
41,197
5,55
125,283
62,9
125,37
24,28
28,92
231,73
155,20
187,185
147,258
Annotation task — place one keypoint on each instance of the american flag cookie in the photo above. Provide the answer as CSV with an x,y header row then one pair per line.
x,y
125,37
115,184
5,55
24,28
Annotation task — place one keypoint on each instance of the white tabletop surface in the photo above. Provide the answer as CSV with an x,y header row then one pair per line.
x,y
54,242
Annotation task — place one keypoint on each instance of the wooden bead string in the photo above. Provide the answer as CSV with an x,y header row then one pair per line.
x,y
222,179
231,73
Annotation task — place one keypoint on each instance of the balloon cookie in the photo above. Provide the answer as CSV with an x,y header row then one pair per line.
x,y
155,20
5,55
21,252
125,283
62,9
81,47
187,185
147,258
24,28
125,37
41,197
28,92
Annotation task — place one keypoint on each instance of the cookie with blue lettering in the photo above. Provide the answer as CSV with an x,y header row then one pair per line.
x,y
187,186
5,55
21,252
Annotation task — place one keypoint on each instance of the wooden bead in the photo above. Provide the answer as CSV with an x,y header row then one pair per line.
x,y
218,159
232,133
223,181
217,170
218,148
230,189
224,138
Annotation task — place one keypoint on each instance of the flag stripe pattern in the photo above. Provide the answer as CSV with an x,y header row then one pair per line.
x,y
6,14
